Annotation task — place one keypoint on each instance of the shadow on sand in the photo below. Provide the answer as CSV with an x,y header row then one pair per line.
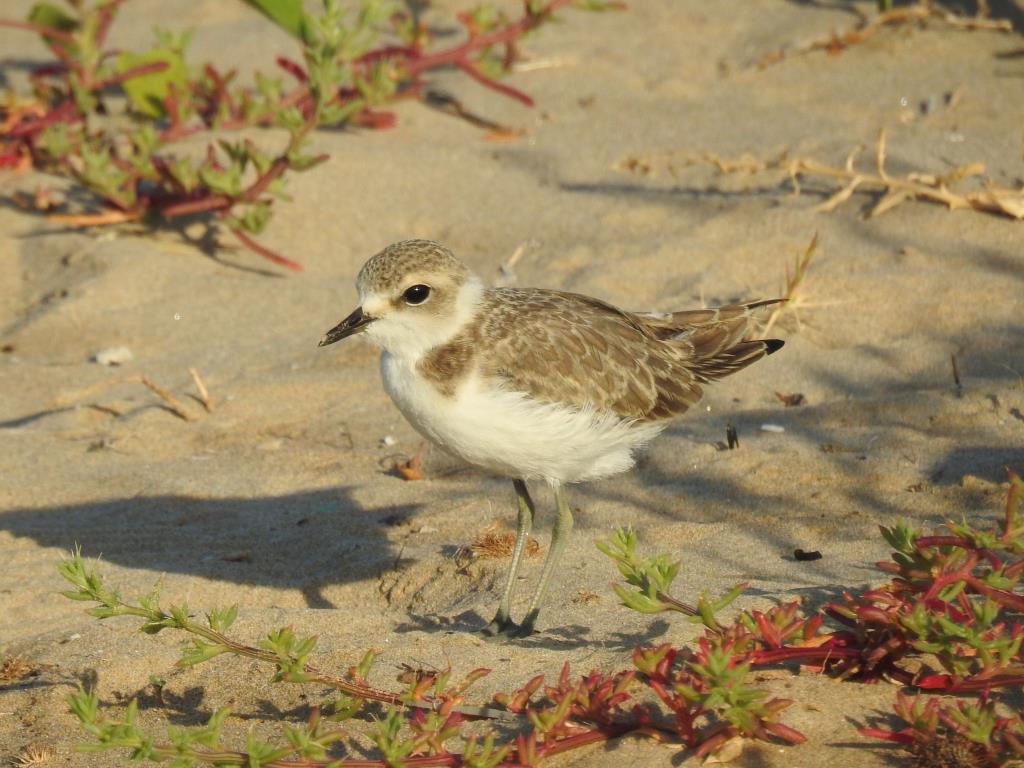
x,y
333,540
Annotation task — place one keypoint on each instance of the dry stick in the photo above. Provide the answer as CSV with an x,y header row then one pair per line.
x,y
517,254
999,200
914,186
956,376
837,41
506,270
170,400
95,219
204,395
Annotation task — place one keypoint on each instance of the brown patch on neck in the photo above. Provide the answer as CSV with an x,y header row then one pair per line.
x,y
448,365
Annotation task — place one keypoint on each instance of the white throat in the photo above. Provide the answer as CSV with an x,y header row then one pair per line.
x,y
409,335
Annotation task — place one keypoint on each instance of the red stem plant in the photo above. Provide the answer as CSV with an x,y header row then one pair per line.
x,y
344,76
948,621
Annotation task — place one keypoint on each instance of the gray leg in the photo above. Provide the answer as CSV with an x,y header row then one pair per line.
x,y
501,621
559,538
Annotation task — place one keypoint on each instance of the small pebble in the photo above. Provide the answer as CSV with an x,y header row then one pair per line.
x,y
113,356
777,428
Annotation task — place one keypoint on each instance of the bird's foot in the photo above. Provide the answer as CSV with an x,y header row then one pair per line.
x,y
503,628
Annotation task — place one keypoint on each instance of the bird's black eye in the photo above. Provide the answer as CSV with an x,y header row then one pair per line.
x,y
416,294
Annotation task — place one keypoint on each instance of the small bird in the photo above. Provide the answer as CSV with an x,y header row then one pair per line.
x,y
535,384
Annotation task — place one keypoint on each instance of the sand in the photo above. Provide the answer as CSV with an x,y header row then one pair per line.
x,y
281,499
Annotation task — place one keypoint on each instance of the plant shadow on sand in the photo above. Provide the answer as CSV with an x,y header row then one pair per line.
x,y
559,637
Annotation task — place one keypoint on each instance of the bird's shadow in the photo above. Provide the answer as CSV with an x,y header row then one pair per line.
x,y
305,540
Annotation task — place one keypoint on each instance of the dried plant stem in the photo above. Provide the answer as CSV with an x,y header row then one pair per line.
x,y
915,185
95,219
172,403
31,755
836,42
204,395
919,186
794,279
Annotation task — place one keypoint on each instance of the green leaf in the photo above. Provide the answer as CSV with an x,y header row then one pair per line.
x,y
276,188
184,173
343,708
389,741
900,537
227,182
949,594
333,115
220,619
154,625
209,735
638,601
288,15
598,5
147,92
200,652
52,17
170,40
260,753
84,705
56,141
301,162
366,663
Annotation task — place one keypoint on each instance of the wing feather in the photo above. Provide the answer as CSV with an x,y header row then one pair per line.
x,y
575,350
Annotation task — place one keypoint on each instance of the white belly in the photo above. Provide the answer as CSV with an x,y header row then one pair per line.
x,y
507,433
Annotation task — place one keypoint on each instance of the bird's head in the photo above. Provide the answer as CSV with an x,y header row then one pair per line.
x,y
413,296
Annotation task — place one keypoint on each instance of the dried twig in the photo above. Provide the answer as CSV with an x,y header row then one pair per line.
x,y
837,42
170,401
794,279
103,219
959,388
507,270
913,186
204,395
916,185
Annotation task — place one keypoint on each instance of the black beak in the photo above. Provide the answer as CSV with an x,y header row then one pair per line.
x,y
350,326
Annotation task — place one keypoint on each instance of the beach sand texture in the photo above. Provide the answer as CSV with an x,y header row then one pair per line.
x,y
281,499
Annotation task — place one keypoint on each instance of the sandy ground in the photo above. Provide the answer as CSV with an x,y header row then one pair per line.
x,y
281,500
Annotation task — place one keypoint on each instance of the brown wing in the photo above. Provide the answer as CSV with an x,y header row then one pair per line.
x,y
572,349
729,323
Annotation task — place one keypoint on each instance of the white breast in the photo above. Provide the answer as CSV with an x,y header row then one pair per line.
x,y
510,434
